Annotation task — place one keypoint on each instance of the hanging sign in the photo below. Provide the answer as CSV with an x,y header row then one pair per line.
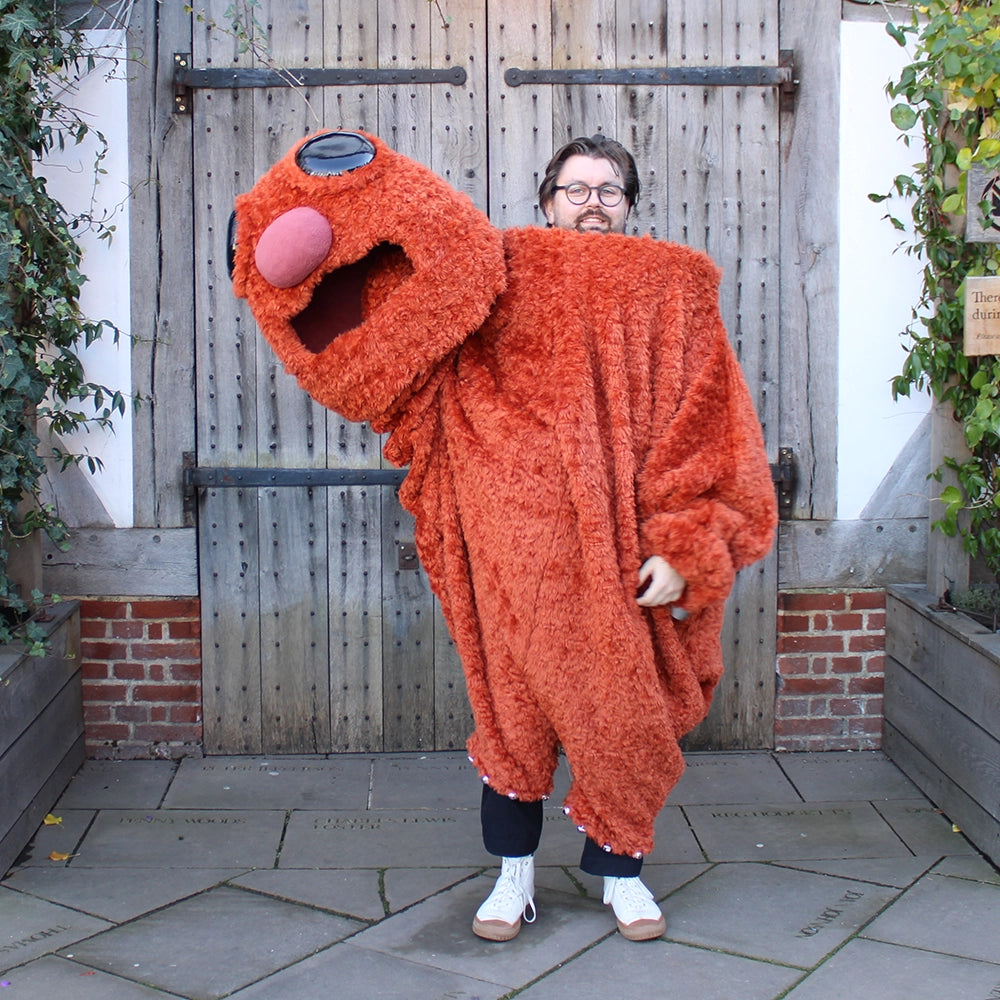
x,y
982,316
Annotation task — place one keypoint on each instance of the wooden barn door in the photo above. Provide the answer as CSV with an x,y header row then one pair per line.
x,y
319,629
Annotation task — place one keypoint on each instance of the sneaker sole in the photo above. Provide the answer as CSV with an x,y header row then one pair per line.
x,y
643,930
495,930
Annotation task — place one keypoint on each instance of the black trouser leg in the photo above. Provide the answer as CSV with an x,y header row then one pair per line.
x,y
511,828
596,861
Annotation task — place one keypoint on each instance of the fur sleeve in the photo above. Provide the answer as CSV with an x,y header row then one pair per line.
x,y
706,499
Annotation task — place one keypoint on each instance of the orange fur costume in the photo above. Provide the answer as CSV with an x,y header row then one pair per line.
x,y
568,405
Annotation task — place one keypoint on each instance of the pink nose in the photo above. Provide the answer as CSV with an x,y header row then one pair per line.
x,y
293,246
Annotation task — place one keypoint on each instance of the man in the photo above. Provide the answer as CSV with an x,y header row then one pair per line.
x,y
589,186
577,428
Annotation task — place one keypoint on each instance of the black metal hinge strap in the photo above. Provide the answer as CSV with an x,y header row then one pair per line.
x,y
186,78
781,76
204,478
785,476
200,477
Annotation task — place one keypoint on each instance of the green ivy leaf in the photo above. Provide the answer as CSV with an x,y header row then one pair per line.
x,y
903,117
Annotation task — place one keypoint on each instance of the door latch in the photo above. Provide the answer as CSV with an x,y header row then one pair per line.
x,y
408,556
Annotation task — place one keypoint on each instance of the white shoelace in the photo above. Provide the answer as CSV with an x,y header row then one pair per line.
x,y
630,900
508,891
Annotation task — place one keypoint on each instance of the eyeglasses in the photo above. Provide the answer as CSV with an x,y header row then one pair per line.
x,y
609,195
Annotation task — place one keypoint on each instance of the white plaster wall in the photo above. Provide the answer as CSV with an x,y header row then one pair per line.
x,y
102,98
878,283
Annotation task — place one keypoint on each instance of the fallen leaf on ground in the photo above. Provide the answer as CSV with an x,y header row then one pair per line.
x,y
51,820
60,856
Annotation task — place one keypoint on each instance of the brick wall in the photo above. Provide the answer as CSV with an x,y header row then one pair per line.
x,y
142,674
141,677
830,663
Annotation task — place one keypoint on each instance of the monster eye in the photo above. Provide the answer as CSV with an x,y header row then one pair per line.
x,y
334,153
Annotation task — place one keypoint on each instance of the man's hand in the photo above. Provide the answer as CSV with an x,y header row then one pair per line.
x,y
665,584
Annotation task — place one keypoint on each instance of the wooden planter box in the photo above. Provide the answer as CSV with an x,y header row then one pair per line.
x,y
942,711
41,729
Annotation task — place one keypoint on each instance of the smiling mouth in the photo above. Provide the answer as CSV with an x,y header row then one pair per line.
x,y
345,296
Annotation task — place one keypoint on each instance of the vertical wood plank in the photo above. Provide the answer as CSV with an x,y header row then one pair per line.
x,y
227,341
350,37
404,111
230,603
458,114
520,118
162,293
294,609
227,346
408,638
350,41
642,111
355,564
694,115
809,254
292,427
453,720
583,37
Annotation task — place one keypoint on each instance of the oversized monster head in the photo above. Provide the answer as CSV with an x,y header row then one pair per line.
x,y
363,269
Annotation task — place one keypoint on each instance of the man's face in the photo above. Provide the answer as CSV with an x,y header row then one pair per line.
x,y
591,216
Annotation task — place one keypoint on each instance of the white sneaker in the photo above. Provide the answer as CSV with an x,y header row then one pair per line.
x,y
638,916
499,918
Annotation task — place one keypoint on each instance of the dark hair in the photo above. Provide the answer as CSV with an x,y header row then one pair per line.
x,y
597,147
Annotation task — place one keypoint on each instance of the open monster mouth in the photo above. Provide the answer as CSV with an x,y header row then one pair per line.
x,y
345,296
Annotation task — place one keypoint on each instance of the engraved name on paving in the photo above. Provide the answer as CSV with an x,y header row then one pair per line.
x,y
162,819
34,938
831,913
377,822
780,813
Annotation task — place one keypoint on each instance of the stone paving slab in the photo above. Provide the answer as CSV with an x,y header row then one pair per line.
x,y
772,913
367,895
732,777
617,969
357,973
118,784
209,945
878,971
661,880
922,827
410,838
116,894
435,782
62,838
270,783
840,776
965,919
896,872
440,781
34,927
562,843
973,866
52,978
438,933
202,838
788,832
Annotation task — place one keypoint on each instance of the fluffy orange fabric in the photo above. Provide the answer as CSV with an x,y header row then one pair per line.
x,y
564,417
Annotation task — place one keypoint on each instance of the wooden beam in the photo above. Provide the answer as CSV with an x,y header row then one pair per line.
x,y
831,554
123,562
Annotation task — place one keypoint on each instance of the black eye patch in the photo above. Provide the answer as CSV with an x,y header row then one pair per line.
x,y
334,153
231,241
